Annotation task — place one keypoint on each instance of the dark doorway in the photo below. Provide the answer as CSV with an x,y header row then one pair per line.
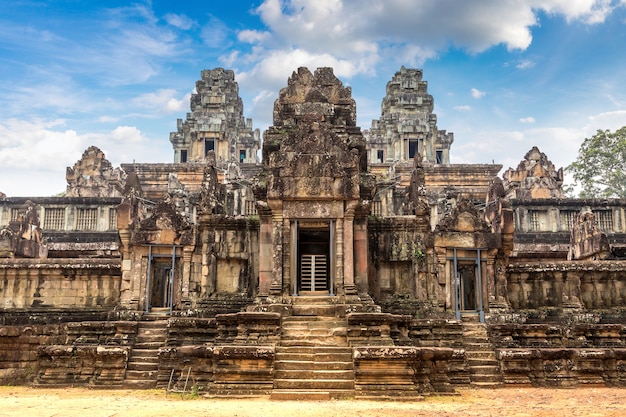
x,y
314,260
467,281
162,280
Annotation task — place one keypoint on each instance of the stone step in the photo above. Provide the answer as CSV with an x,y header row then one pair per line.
x,y
485,378
308,395
327,374
480,354
148,345
315,350
155,321
474,346
150,339
484,369
488,385
138,384
141,375
330,341
314,300
473,363
313,324
314,384
314,329
287,365
313,357
142,366
151,333
320,310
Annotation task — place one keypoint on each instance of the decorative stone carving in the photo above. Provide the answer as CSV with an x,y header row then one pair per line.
x,y
463,218
587,240
22,237
93,176
415,199
534,177
165,226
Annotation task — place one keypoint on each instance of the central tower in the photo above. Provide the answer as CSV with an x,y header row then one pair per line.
x,y
311,192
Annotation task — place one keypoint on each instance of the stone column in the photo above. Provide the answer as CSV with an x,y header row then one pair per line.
x,y
348,248
186,271
265,254
277,250
360,255
339,262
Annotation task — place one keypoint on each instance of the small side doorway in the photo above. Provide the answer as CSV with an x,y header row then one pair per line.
x,y
162,282
467,281
163,270
466,270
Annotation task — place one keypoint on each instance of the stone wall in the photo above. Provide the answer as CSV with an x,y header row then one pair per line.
x,y
67,283
593,285
18,350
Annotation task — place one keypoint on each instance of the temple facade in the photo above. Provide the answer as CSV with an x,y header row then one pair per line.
x,y
366,250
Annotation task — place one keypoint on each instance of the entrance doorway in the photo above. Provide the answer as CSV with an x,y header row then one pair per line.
x,y
467,281
163,271
314,260
160,293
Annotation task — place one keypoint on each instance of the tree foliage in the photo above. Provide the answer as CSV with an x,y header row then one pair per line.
x,y
600,168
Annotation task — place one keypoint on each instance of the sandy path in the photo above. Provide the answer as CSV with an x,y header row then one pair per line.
x,y
27,402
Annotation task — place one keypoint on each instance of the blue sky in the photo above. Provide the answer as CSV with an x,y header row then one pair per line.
x,y
505,75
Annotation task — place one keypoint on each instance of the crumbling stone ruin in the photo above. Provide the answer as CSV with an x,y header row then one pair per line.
x,y
345,263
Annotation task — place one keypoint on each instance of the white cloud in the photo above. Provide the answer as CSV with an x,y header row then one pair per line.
x,y
525,64
463,108
252,36
477,94
587,11
273,71
35,153
180,21
527,120
215,33
162,101
402,31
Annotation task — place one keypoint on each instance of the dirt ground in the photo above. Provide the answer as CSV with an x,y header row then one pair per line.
x,y
79,402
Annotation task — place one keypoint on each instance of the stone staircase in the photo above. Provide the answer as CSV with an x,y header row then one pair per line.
x,y
313,360
143,364
480,355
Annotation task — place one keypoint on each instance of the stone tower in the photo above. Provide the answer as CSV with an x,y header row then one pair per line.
x,y
311,191
407,125
216,123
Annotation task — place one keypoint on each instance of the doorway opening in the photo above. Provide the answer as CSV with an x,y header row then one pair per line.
x,y
467,282
163,269
312,260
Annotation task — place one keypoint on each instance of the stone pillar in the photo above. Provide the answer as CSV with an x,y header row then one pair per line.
x,y
265,254
443,286
277,250
126,293
186,271
339,262
360,255
348,248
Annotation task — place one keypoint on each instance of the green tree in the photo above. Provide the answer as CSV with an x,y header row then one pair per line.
x,y
600,168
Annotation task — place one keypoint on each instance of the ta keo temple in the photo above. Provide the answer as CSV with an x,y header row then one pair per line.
x,y
325,261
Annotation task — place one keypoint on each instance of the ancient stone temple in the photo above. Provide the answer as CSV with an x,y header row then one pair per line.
x,y
344,263
216,123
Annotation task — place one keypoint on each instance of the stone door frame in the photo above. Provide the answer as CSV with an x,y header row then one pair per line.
x,y
458,284
161,258
295,254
